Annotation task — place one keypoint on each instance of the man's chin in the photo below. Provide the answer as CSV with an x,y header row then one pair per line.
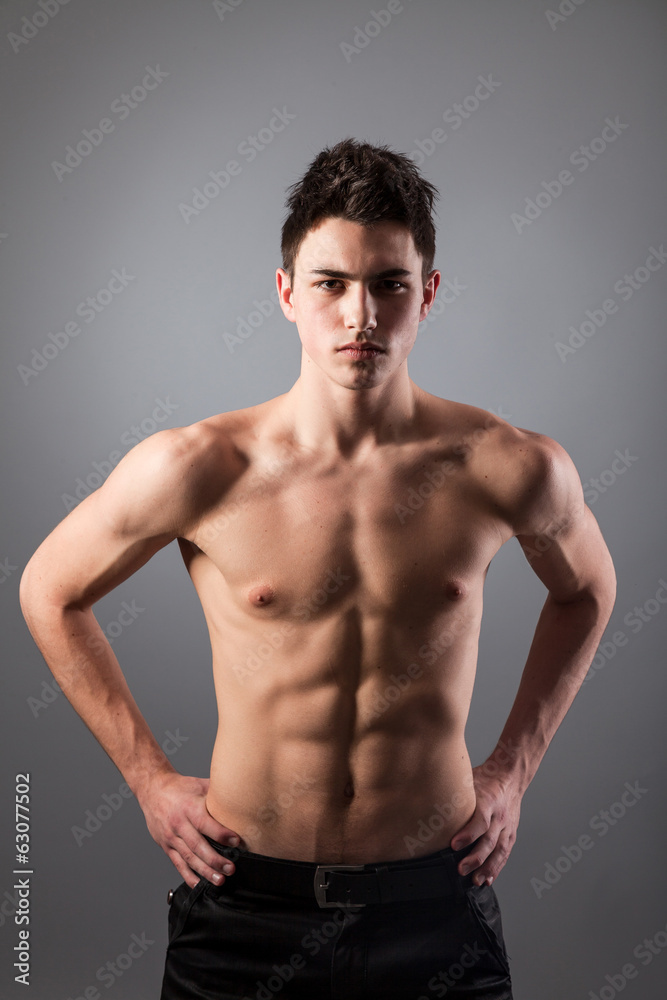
x,y
360,380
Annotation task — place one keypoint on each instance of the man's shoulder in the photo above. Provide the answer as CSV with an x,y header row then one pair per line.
x,y
528,476
205,444
535,482
474,426
178,472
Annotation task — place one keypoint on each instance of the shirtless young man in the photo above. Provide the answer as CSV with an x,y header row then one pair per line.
x,y
338,536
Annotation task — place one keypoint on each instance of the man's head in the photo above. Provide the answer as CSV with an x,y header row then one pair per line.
x,y
358,248
365,184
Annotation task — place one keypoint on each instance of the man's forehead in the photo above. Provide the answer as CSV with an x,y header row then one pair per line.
x,y
340,244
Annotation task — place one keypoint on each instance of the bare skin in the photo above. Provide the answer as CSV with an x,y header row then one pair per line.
x,y
338,537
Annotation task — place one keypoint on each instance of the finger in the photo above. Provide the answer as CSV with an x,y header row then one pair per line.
x,y
216,831
222,835
484,846
201,858
489,870
215,862
190,877
468,834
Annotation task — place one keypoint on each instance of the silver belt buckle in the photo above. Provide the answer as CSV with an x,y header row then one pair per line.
x,y
321,885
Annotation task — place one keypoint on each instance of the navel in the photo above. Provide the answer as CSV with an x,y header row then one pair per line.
x,y
348,791
261,596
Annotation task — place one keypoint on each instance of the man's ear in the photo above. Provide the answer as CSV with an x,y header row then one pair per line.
x,y
285,294
430,288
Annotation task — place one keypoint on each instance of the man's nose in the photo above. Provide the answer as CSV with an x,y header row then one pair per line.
x,y
360,309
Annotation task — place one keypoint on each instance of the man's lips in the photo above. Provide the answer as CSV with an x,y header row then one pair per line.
x,y
365,346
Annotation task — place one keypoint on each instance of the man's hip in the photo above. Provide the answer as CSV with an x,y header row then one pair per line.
x,y
412,929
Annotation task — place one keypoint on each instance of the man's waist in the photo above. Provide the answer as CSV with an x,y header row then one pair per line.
x,y
410,819
338,885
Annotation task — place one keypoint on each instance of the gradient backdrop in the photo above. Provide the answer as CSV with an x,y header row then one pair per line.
x,y
543,127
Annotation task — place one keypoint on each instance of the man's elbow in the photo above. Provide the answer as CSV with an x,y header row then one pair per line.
x,y
593,583
604,599
598,595
36,595
31,596
26,588
604,586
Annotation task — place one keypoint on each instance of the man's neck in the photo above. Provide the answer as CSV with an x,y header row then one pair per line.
x,y
350,422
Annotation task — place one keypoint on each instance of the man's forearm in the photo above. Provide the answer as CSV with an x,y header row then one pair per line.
x,y
82,661
565,640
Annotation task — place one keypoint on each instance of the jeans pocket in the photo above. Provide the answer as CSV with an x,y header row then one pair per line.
x,y
182,902
485,911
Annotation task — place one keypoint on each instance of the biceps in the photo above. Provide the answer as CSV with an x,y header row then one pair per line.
x,y
570,557
84,558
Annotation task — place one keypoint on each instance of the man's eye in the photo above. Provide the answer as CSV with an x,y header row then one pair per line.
x,y
385,281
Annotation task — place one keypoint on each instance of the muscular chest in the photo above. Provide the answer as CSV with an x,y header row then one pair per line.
x,y
396,538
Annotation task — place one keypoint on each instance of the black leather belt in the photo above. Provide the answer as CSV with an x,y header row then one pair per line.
x,y
349,885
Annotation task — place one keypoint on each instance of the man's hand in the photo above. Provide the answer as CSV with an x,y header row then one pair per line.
x,y
493,825
176,816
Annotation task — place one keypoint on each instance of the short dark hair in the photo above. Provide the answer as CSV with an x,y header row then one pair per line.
x,y
361,183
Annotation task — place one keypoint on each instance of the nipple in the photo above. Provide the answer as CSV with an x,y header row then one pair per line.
x,y
261,596
455,590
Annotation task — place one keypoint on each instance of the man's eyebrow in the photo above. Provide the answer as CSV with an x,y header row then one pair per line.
x,y
390,272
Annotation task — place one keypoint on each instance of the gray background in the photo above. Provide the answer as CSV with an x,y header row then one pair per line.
x,y
495,345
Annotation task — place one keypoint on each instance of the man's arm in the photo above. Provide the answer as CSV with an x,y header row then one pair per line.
x,y
145,503
562,541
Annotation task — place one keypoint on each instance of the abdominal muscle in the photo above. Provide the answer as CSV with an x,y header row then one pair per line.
x,y
324,759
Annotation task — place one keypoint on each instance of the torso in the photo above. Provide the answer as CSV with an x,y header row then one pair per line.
x,y
344,602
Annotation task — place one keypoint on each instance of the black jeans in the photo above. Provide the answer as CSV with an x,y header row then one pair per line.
x,y
232,941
